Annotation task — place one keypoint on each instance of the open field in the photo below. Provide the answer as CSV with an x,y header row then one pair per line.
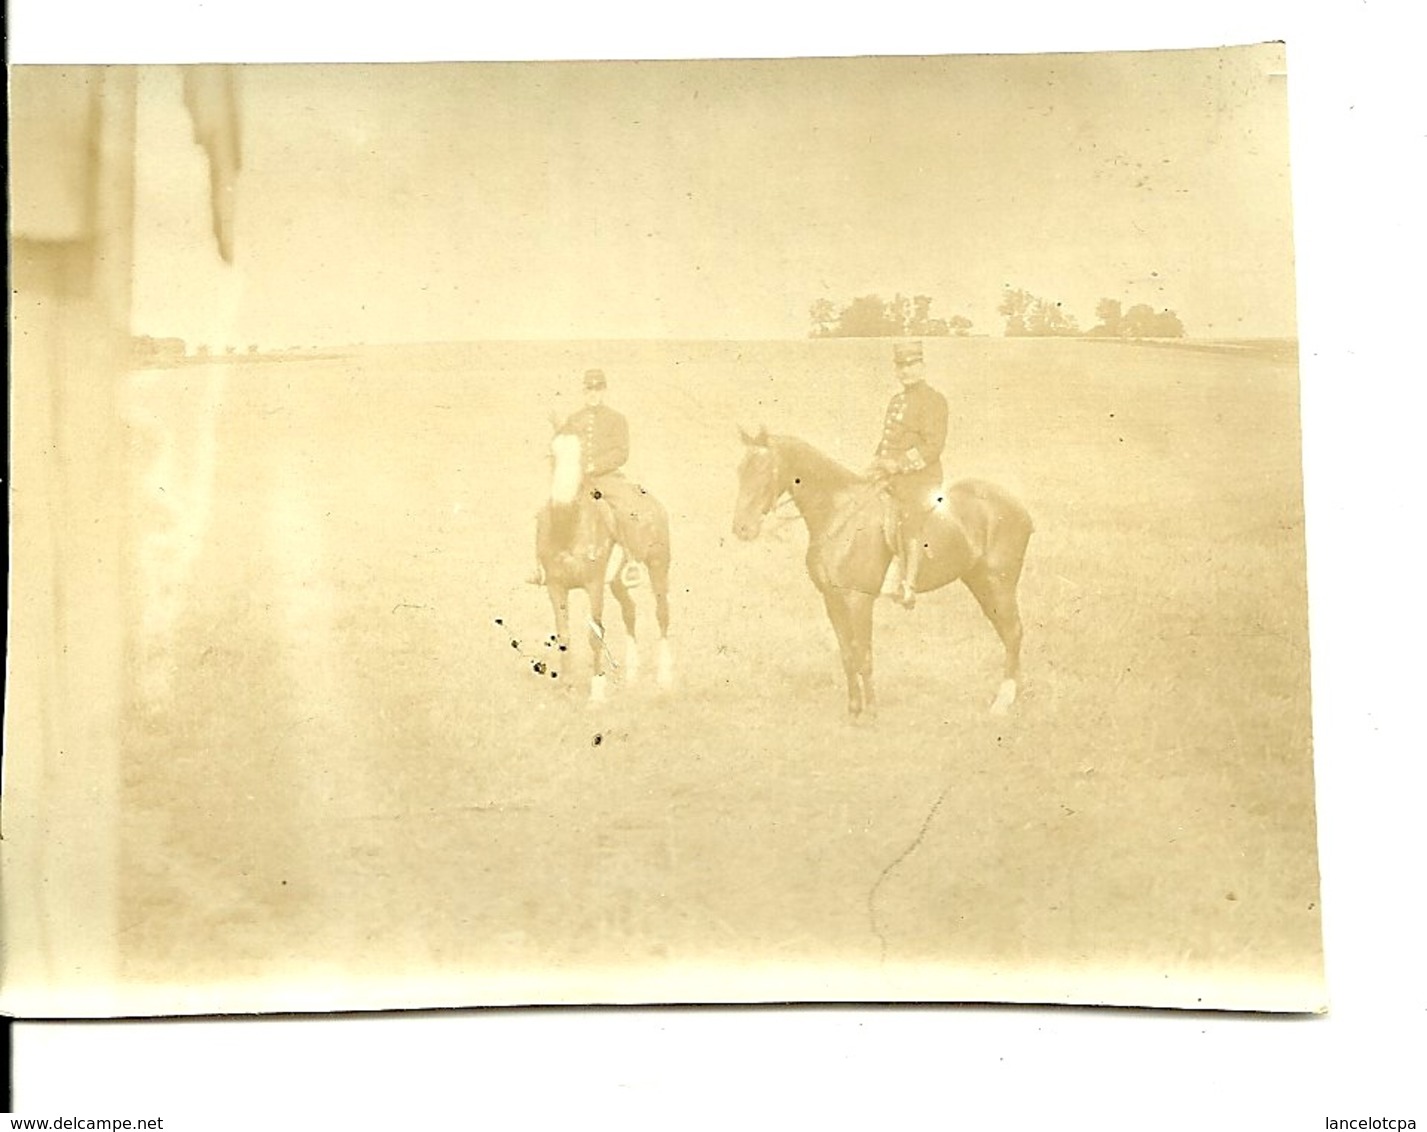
x,y
343,766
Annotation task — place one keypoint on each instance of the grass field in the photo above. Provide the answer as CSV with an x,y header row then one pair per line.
x,y
343,766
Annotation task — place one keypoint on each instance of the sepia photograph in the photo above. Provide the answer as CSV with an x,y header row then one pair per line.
x,y
822,530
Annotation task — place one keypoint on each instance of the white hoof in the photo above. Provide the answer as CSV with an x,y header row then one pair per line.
x,y
631,663
665,674
597,690
1005,697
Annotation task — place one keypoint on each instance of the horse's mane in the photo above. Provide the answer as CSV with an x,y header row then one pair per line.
x,y
813,464
566,470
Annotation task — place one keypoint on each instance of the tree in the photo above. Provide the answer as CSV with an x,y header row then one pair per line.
x,y
921,323
824,318
1046,319
1015,305
1111,317
921,313
1140,321
1167,325
866,317
870,316
899,315
960,325
1028,314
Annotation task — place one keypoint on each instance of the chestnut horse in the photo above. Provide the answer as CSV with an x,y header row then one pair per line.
x,y
977,534
576,537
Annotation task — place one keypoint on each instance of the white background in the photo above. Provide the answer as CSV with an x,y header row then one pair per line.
x,y
1359,144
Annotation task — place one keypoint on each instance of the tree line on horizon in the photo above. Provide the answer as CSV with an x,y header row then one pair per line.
x,y
1026,315
870,316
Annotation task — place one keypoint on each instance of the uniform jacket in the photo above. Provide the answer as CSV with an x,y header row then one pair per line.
x,y
604,438
914,432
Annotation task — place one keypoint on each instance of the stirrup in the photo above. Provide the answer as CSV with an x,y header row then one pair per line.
x,y
907,595
630,575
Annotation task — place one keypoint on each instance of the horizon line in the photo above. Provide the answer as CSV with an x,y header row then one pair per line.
x,y
241,348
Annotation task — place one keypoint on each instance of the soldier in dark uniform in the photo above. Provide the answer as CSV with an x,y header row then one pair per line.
x,y
908,459
603,434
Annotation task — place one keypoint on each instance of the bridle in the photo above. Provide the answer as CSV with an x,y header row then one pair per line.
x,y
781,502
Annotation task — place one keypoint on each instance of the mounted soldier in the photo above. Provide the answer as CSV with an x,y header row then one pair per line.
x,y
636,518
575,531
908,460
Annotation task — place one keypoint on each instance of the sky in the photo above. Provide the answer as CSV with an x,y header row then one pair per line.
x,y
714,199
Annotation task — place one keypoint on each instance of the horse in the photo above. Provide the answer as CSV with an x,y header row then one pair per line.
x,y
977,533
577,533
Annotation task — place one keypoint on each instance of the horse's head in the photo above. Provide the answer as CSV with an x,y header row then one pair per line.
x,y
761,482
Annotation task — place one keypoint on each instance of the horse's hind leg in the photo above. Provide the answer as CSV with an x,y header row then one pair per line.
x,y
658,566
995,592
629,613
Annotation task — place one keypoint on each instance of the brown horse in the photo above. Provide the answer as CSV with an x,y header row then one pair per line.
x,y
576,536
976,534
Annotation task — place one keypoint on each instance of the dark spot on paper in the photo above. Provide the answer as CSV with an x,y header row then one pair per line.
x,y
598,739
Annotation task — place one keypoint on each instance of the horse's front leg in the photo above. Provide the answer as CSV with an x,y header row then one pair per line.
x,y
859,617
597,641
837,613
560,604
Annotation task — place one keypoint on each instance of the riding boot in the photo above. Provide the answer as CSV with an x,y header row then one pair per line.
x,y
912,564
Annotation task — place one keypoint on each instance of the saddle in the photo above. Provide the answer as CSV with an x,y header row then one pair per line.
x,y
894,507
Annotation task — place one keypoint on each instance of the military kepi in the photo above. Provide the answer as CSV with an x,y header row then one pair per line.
x,y
594,379
907,353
